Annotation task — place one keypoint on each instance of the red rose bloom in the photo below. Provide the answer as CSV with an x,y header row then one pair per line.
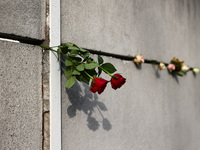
x,y
117,82
99,85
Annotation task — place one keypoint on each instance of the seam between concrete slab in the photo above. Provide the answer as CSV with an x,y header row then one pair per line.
x,y
21,39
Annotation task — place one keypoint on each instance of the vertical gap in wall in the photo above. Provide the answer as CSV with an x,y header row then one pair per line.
x,y
46,98
45,87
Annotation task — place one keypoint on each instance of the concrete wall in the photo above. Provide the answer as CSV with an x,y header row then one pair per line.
x,y
20,96
24,19
166,28
153,110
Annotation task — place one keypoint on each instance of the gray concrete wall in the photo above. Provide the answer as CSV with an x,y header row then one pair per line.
x,y
20,96
166,28
153,110
23,19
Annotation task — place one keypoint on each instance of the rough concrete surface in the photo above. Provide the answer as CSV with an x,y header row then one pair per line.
x,y
153,110
45,82
21,96
159,29
23,18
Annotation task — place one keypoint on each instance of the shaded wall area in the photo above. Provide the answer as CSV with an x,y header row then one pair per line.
x,y
21,96
153,110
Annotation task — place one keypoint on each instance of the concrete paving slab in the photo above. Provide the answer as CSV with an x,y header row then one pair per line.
x,y
23,19
20,96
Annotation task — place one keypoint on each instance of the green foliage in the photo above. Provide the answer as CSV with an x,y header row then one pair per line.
x,y
180,73
79,65
109,67
100,60
75,72
68,62
91,65
70,82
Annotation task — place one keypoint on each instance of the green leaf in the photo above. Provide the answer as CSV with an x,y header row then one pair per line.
x,y
64,50
68,73
58,52
79,78
73,48
69,83
83,50
68,44
78,59
74,53
86,79
90,60
85,55
91,65
180,73
80,67
99,71
68,62
92,72
75,72
109,67
100,60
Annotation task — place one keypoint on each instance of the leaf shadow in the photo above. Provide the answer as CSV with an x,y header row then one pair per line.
x,y
82,99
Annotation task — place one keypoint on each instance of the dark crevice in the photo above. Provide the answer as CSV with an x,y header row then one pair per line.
x,y
122,57
21,39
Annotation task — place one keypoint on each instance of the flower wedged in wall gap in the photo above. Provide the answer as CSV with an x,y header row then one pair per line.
x,y
79,65
139,59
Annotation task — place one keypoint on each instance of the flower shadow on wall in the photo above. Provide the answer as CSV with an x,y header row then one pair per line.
x,y
82,99
87,102
157,74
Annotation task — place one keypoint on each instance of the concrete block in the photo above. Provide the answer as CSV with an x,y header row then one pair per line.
x,y
21,96
157,29
23,19
152,111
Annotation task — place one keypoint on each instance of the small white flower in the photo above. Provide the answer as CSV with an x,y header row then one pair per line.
x,y
196,70
185,68
161,66
139,59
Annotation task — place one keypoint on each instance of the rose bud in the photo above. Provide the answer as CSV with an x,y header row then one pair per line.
x,y
139,59
171,67
161,66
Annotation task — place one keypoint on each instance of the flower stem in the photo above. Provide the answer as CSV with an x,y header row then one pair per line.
x,y
106,71
89,75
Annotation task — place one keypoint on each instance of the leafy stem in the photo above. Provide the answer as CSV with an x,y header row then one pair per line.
x,y
88,75
106,71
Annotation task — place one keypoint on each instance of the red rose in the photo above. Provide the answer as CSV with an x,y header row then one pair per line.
x,y
178,68
99,85
117,82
